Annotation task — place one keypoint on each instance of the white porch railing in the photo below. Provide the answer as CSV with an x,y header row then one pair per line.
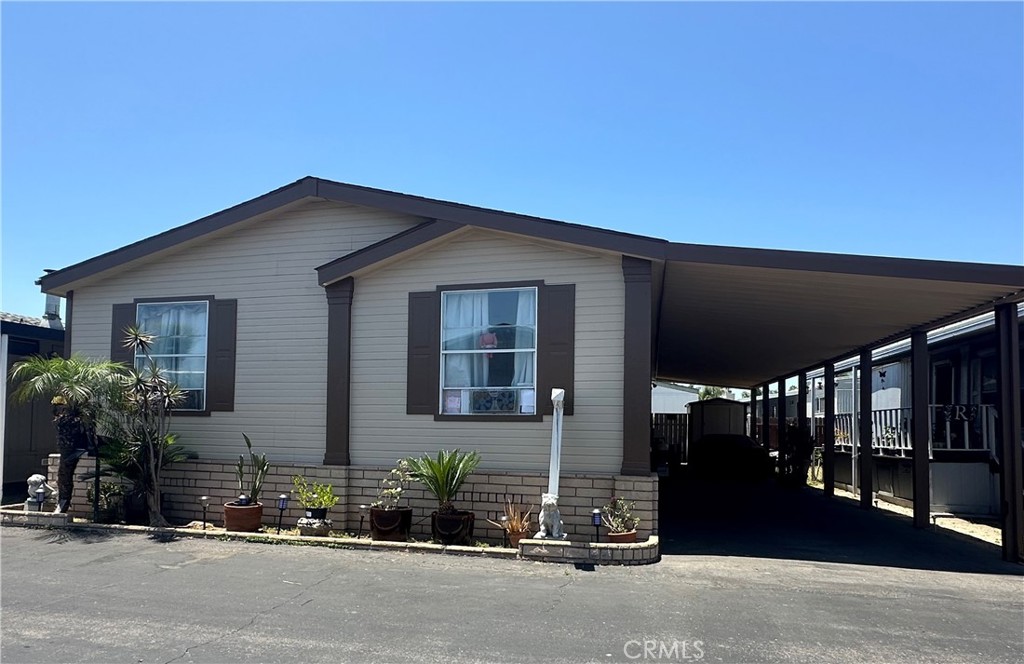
x,y
954,427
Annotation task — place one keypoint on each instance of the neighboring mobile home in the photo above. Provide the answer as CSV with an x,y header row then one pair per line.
x,y
343,327
27,435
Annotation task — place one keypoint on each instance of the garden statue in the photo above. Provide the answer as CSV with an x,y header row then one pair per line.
x,y
36,482
550,518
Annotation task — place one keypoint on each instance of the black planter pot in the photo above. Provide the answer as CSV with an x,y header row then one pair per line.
x,y
316,512
452,527
390,525
136,512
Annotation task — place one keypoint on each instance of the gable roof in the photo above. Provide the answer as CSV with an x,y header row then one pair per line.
x,y
60,281
723,315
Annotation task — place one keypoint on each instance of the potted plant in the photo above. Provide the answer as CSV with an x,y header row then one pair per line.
x,y
246,513
389,521
443,476
618,517
316,498
515,522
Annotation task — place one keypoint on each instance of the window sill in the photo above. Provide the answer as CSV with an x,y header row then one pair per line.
x,y
190,413
488,418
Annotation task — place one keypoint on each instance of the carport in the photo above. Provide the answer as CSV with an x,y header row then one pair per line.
x,y
754,317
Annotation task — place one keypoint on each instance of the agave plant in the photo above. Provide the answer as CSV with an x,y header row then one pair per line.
x,y
444,475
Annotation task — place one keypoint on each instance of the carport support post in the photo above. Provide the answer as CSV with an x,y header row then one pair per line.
x,y
920,425
864,444
780,428
801,401
1009,429
766,413
828,445
753,412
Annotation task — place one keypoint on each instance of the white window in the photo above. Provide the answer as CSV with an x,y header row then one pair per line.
x,y
489,352
179,349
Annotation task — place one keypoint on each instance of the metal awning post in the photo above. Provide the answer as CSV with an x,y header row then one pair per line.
x,y
920,429
1012,484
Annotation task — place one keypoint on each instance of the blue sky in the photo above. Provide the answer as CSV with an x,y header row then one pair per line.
x,y
873,128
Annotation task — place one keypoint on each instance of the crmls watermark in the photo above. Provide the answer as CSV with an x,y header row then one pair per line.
x,y
674,650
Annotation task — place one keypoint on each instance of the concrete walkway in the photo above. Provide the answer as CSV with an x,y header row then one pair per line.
x,y
70,596
766,521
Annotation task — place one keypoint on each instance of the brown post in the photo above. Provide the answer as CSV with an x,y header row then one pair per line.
x,y
339,367
866,464
801,401
753,412
920,419
636,375
1010,465
828,445
766,413
780,428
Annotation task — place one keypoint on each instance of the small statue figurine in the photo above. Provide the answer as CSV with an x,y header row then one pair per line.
x,y
550,518
36,482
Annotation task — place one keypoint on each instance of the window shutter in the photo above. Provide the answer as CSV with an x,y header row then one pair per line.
x,y
556,337
220,361
123,317
424,339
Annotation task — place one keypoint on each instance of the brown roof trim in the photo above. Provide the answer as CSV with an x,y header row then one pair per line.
x,y
510,222
291,193
876,266
558,231
392,246
311,187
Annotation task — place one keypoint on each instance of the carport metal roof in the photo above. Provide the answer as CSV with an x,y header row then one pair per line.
x,y
722,315
743,317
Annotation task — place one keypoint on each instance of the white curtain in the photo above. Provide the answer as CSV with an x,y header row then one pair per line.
x,y
526,323
466,313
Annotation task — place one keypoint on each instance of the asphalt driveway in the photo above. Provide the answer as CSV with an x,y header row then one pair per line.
x,y
72,596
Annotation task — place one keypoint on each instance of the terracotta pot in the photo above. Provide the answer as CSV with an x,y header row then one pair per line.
x,y
452,527
513,539
622,538
243,518
390,525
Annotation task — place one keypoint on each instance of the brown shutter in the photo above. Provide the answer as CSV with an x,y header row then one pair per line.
x,y
424,338
220,363
556,335
123,317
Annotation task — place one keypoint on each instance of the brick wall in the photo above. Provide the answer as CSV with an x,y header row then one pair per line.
x,y
484,493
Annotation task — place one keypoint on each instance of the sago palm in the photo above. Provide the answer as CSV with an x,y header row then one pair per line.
x,y
445,475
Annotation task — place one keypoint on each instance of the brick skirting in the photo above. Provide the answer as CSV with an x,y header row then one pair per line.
x,y
484,493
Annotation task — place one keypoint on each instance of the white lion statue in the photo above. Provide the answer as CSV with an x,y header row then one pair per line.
x,y
550,518
36,482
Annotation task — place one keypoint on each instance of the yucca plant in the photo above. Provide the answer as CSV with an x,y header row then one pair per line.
x,y
444,475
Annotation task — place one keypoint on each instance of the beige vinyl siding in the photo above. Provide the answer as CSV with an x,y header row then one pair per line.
x,y
269,266
381,432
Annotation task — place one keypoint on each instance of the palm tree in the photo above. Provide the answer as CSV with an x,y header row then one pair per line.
x,y
79,389
138,428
